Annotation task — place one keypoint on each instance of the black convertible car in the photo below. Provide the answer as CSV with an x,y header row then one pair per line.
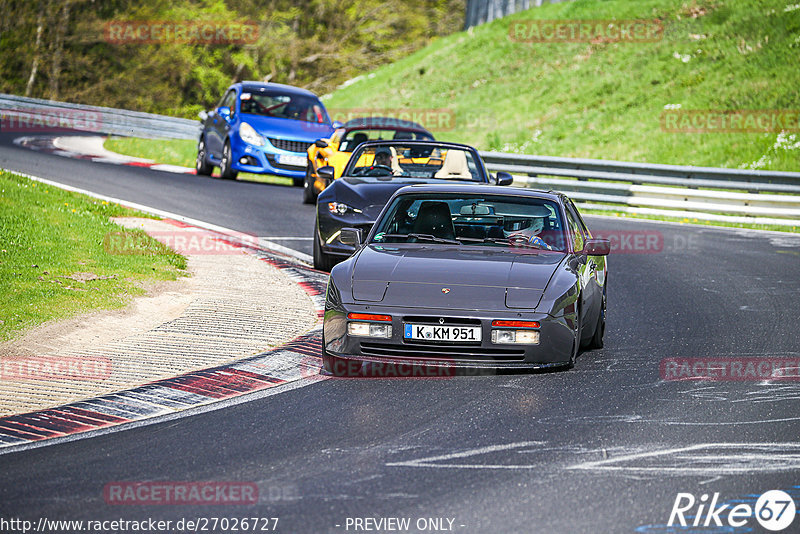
x,y
461,276
373,173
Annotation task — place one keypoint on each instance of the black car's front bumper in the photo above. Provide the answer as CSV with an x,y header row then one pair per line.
x,y
557,339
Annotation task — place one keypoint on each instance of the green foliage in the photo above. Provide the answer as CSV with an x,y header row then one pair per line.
x,y
317,44
605,100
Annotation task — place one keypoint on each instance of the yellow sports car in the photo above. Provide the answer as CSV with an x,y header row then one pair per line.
x,y
336,150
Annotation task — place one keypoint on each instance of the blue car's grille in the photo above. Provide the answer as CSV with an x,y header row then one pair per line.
x,y
289,144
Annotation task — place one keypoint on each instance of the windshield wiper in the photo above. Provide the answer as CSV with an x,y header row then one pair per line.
x,y
500,240
425,237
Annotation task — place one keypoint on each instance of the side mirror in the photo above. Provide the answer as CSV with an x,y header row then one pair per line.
x,y
597,247
326,173
321,143
224,112
203,115
504,178
350,236
337,124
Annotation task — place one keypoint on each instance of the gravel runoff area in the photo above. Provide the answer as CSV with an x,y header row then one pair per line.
x,y
233,305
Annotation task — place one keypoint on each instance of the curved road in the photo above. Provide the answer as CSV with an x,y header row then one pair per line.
x,y
605,447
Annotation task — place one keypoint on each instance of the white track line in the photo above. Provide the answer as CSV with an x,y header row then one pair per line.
x,y
306,258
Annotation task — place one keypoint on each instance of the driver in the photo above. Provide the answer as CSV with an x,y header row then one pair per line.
x,y
529,229
383,158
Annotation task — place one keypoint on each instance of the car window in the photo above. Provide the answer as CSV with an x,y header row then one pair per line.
x,y
414,161
587,234
355,137
284,106
229,101
575,230
487,221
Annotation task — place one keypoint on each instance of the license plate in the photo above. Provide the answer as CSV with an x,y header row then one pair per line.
x,y
442,333
288,159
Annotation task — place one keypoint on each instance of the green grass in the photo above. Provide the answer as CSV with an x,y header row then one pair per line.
x,y
181,152
605,100
48,235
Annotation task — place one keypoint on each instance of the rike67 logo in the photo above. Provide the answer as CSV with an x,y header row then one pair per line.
x,y
774,510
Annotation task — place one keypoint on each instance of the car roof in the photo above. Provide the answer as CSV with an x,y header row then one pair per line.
x,y
415,142
376,123
479,189
287,89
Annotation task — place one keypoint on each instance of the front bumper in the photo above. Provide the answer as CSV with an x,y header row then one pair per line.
x,y
555,348
264,160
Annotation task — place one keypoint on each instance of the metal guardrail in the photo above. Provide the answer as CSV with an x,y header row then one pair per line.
x,y
482,11
34,115
707,193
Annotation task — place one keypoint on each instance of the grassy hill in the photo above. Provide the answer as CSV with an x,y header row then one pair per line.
x,y
605,100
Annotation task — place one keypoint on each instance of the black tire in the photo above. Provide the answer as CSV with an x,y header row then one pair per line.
x,y
322,261
309,193
225,170
297,182
201,164
600,328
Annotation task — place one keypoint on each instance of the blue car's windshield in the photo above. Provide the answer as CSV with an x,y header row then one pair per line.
x,y
491,221
284,106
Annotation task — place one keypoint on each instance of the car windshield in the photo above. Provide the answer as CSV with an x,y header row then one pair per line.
x,y
475,220
415,161
353,138
284,106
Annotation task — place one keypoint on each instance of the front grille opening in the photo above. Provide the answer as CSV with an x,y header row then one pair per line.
x,y
460,353
290,144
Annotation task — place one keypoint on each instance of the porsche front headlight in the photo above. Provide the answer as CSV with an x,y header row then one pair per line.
x,y
250,136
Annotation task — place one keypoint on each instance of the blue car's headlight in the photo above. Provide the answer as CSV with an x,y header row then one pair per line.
x,y
250,136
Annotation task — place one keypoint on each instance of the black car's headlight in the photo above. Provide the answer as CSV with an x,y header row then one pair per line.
x,y
340,208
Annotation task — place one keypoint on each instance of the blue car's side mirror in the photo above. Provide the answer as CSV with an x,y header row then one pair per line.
x,y
224,112
337,124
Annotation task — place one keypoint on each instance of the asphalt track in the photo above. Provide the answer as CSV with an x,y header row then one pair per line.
x,y
605,447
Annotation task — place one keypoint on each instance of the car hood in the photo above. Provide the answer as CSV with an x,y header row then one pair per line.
x,y
473,278
288,128
371,192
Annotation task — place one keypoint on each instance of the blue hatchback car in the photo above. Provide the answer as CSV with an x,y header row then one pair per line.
x,y
263,128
